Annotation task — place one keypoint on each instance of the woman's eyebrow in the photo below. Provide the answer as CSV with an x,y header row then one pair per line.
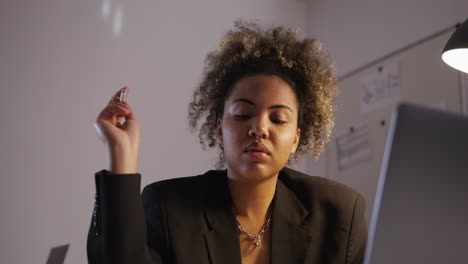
x,y
247,101
244,100
281,106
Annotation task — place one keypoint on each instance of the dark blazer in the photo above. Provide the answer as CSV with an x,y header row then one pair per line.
x,y
190,220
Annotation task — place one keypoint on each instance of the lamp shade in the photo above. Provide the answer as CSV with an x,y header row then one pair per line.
x,y
455,52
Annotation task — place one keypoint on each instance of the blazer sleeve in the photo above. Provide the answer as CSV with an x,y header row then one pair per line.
x,y
358,233
118,232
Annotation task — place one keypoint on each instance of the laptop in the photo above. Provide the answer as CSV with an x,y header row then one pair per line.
x,y
57,254
421,207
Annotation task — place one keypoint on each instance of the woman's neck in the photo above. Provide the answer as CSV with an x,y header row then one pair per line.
x,y
252,201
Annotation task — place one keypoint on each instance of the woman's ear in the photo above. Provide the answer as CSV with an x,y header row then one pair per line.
x,y
219,132
296,141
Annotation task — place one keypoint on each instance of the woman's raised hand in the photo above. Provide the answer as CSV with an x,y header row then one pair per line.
x,y
122,137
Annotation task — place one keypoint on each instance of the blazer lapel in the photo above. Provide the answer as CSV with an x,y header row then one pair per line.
x,y
289,240
222,240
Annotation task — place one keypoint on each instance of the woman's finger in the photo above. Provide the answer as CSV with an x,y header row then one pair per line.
x,y
113,110
131,115
124,105
117,109
116,96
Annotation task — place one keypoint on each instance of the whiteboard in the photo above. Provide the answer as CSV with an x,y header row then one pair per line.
x,y
423,78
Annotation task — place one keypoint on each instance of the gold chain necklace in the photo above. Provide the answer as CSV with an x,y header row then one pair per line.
x,y
258,237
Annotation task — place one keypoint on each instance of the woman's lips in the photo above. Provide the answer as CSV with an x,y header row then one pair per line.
x,y
257,151
257,147
260,155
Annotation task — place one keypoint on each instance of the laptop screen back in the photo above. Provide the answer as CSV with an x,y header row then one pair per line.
x,y
421,207
57,254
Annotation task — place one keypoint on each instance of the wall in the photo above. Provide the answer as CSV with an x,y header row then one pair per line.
x,y
358,32
60,62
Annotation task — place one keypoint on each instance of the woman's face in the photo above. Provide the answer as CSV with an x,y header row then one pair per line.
x,y
259,129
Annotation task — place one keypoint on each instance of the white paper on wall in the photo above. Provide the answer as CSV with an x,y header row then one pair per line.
x,y
353,147
380,88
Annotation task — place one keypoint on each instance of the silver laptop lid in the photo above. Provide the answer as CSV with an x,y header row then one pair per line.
x,y
421,206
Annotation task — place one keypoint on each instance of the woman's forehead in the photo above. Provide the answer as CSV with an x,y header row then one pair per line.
x,y
264,90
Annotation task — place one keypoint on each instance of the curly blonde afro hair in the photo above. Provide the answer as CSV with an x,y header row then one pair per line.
x,y
248,50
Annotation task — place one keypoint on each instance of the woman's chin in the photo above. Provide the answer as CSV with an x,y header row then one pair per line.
x,y
256,172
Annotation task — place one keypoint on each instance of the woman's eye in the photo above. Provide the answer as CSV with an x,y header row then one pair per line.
x,y
241,117
279,121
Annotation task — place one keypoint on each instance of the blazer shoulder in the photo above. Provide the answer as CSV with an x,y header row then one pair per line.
x,y
188,187
313,189
187,180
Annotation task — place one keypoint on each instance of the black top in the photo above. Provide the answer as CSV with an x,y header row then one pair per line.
x,y
190,220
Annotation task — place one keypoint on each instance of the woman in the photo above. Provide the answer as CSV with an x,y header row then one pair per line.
x,y
266,96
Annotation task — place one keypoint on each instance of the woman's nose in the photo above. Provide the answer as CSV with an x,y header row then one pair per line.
x,y
259,129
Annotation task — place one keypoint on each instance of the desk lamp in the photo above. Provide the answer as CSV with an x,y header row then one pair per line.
x,y
455,52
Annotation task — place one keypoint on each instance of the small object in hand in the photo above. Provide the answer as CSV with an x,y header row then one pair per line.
x,y
122,98
123,95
